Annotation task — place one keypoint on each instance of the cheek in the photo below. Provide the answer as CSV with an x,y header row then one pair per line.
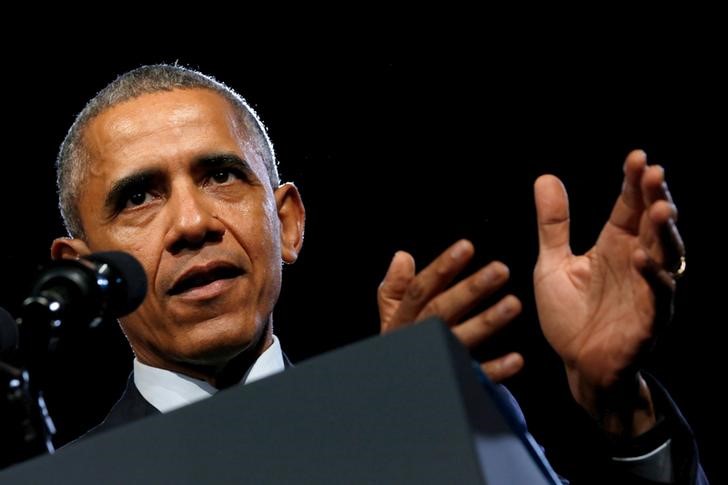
x,y
272,249
267,238
144,243
257,231
129,238
255,225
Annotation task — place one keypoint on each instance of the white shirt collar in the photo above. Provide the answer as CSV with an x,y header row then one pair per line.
x,y
167,390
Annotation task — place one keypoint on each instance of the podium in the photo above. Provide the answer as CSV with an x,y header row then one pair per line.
x,y
408,407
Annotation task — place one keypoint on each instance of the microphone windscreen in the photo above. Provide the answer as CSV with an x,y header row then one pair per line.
x,y
133,287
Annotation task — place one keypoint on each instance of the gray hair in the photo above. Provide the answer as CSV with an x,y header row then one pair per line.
x,y
74,158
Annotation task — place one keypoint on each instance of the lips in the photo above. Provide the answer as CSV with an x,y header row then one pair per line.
x,y
200,276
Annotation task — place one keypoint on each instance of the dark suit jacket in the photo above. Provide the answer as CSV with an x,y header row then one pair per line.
x,y
130,407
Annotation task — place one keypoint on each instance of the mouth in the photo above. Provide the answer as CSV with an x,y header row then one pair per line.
x,y
211,275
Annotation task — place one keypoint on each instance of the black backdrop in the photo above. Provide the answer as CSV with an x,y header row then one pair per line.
x,y
411,147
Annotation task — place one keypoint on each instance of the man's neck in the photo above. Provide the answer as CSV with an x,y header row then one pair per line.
x,y
222,375
167,390
234,370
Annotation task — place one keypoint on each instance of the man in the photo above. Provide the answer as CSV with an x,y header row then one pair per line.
x,y
176,169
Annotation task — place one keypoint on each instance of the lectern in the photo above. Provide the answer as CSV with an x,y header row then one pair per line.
x,y
408,407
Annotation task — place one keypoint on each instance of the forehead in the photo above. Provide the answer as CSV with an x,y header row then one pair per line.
x,y
164,127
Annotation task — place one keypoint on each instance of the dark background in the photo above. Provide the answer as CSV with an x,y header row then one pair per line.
x,y
412,146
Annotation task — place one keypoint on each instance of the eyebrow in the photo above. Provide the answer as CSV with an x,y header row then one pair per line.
x,y
143,179
126,185
226,160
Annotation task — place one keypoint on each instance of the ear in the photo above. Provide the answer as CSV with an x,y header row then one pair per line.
x,y
292,217
68,248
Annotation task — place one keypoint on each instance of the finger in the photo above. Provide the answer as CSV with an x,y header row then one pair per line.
x,y
394,285
503,367
629,206
653,185
452,304
657,276
669,247
476,330
552,210
432,280
661,282
400,272
662,238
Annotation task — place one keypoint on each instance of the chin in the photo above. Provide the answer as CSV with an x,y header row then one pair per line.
x,y
218,345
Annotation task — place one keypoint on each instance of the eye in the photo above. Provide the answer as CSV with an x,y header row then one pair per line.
x,y
222,176
137,199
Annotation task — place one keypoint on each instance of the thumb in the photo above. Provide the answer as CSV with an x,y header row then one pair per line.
x,y
393,287
552,210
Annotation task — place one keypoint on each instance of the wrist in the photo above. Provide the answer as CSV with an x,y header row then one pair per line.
x,y
624,409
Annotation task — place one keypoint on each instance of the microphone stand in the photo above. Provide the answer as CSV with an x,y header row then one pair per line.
x,y
28,428
24,411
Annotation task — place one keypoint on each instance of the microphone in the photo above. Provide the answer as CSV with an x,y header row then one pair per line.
x,y
87,290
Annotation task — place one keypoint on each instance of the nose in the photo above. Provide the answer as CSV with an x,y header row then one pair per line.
x,y
192,220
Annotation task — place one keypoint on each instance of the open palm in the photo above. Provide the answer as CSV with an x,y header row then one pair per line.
x,y
599,310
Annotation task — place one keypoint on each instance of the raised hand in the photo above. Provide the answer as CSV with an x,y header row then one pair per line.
x,y
600,310
405,297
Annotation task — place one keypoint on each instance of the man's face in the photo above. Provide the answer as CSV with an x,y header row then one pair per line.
x,y
175,182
